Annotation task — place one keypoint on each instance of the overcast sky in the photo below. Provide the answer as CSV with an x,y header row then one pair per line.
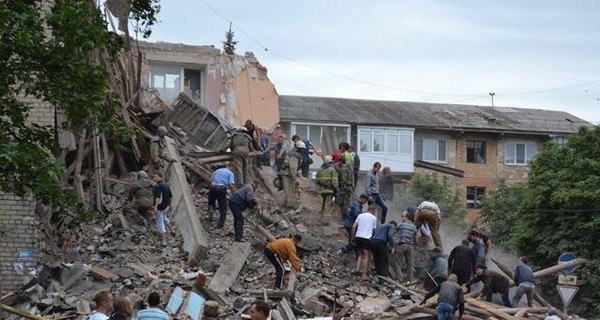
x,y
534,54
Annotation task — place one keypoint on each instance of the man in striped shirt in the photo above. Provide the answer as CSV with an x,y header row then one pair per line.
x,y
153,312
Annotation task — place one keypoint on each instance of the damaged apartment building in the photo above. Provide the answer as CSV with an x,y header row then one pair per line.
x,y
235,88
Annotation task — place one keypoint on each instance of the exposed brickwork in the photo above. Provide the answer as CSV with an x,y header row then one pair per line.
x,y
19,230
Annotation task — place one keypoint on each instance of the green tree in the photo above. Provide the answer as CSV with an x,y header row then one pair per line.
x,y
229,44
50,52
560,210
500,211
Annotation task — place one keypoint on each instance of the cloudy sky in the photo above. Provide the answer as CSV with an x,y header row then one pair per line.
x,y
531,54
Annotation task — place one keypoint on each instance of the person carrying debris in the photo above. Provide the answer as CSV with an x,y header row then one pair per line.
x,y
289,172
406,237
153,312
280,251
104,305
362,231
525,282
241,145
243,198
382,243
162,205
429,212
493,282
159,154
450,298
141,196
461,262
221,181
372,189
327,181
346,183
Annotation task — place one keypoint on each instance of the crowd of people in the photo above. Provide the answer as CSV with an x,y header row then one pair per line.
x,y
402,250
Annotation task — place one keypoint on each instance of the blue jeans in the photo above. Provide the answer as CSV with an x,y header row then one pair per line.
x,y
162,221
378,200
445,311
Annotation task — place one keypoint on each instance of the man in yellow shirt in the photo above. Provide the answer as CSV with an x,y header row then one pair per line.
x,y
280,251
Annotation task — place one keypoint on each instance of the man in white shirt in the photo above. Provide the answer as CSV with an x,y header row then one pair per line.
x,y
104,305
362,230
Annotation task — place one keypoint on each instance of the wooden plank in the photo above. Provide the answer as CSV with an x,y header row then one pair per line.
x,y
490,309
104,273
434,312
230,267
226,157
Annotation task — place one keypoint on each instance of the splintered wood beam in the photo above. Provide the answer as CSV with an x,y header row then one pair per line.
x,y
225,157
490,309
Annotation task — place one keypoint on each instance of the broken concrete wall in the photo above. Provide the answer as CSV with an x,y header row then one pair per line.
x,y
235,87
19,230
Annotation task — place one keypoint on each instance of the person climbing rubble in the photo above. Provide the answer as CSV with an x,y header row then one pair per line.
x,y
493,282
289,172
159,154
140,196
328,183
278,252
222,180
241,145
405,240
362,231
243,198
162,205
372,189
429,212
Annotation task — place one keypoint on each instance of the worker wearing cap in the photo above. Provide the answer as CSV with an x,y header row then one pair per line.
x,y
327,181
159,154
141,197
289,172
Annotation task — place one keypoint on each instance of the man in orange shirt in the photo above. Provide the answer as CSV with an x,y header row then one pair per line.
x,y
280,251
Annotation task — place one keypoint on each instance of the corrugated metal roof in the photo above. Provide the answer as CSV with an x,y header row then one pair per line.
x,y
426,115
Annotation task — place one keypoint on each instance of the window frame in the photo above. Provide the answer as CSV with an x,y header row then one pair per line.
x,y
398,133
478,193
476,159
437,142
527,157
309,126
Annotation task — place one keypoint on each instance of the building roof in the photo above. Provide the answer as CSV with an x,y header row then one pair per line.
x,y
426,115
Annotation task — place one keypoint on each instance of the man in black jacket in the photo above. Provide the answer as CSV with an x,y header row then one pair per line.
x,y
461,262
493,282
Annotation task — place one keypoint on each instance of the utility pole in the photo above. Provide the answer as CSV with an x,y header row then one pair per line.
x,y
492,94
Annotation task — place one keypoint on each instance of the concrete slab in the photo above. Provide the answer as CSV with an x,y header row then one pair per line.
x,y
230,267
195,241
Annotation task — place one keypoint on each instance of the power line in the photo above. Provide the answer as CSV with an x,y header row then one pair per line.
x,y
374,84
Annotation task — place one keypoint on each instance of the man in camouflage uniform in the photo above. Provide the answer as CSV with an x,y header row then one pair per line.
x,y
159,154
346,185
327,180
241,145
140,195
289,172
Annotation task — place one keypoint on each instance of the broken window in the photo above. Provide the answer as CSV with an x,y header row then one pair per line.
x,y
320,134
166,80
475,151
192,84
432,150
519,152
474,196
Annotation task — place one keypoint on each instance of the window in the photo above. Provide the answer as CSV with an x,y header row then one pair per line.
x,y
432,150
474,196
317,134
560,140
385,140
169,81
475,151
519,152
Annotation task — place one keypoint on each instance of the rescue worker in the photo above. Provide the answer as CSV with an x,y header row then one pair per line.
x,y
241,145
289,172
429,212
278,252
140,194
243,198
346,185
493,282
450,299
159,154
327,181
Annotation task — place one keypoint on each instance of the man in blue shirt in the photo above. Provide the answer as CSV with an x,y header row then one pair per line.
x,y
162,205
525,282
222,179
372,189
382,243
153,312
